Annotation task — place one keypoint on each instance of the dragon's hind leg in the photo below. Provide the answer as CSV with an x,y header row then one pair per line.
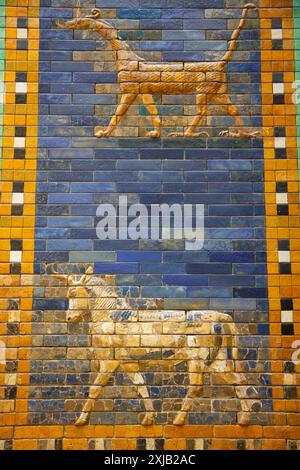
x,y
198,119
152,109
226,103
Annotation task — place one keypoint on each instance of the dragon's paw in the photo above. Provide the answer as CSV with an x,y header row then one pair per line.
x,y
100,133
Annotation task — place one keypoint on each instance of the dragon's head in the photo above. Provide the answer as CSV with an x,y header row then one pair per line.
x,y
84,22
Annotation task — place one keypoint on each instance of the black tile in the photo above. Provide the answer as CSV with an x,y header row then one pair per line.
x,y
159,444
8,444
20,131
58,444
10,392
286,304
278,77
141,444
18,187
290,392
11,366
285,268
277,44
21,77
15,268
287,329
281,187
17,209
19,154
13,329
16,245
289,367
22,23
279,132
21,98
284,245
278,99
282,209
280,154
276,23
22,44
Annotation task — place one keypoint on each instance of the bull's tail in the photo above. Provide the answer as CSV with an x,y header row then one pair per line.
x,y
236,34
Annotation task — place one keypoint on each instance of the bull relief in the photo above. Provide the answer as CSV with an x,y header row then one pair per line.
x,y
139,78
134,341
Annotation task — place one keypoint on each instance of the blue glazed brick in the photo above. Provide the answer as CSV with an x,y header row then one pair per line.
x,y
49,304
116,268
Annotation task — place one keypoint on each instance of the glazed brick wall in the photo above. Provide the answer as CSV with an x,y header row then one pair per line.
x,y
248,267
76,171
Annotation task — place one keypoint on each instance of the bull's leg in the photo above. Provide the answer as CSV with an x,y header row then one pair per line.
x,y
192,392
225,101
107,368
125,103
249,399
201,114
138,379
152,109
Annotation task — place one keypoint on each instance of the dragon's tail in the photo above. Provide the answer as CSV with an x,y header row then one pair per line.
x,y
236,34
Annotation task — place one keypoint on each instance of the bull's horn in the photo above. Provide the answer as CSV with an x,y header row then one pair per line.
x,y
84,278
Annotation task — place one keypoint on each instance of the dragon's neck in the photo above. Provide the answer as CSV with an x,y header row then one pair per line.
x,y
111,34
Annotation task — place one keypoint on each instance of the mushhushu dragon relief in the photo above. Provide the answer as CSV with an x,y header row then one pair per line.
x,y
137,77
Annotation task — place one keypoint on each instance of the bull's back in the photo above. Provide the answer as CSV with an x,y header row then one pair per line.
x,y
161,335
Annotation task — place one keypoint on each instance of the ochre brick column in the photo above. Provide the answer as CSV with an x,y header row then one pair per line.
x,y
18,206
282,209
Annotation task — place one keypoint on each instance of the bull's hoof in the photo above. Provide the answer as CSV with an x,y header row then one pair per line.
x,y
148,419
180,419
82,420
153,134
243,418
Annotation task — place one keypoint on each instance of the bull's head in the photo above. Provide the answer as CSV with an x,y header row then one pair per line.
x,y
79,294
84,22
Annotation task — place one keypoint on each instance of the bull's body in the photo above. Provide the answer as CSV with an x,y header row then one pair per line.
x,y
135,341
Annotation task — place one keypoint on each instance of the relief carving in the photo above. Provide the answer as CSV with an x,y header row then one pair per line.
x,y
122,339
137,77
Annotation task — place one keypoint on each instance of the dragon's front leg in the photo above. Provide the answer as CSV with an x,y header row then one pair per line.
x,y
125,103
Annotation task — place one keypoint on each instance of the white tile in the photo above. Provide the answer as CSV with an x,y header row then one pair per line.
x,y
278,88
284,256
287,316
15,257
18,198
281,198
280,142
21,87
276,33
19,142
22,33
